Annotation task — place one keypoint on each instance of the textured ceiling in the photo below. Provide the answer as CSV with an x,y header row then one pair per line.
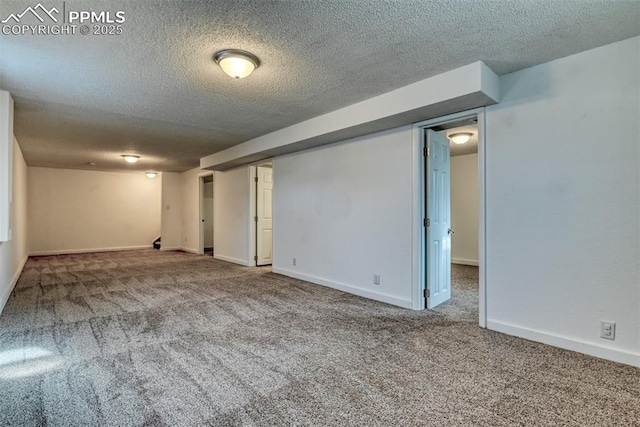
x,y
155,91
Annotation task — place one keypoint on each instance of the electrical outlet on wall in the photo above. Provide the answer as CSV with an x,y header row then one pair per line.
x,y
608,330
376,279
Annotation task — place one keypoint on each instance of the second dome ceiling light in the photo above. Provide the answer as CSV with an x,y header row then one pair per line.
x,y
236,63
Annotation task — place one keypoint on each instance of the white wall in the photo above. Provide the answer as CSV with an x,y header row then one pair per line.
x,y
563,233
76,211
13,254
562,207
231,205
171,211
344,212
464,209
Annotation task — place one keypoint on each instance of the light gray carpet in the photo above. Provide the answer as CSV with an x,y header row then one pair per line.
x,y
168,338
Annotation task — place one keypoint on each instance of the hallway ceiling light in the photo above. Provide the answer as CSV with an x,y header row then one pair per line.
x,y
130,158
236,63
151,174
460,137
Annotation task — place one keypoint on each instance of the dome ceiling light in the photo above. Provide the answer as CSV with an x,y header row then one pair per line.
x,y
130,158
460,137
236,63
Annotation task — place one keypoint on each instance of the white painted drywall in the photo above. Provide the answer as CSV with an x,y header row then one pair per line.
x,y
563,190
231,206
13,254
344,212
171,211
6,164
464,209
77,211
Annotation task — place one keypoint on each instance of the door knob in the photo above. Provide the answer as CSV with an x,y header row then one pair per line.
x,y
451,231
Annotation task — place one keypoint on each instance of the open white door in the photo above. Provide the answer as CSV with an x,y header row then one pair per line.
x,y
264,221
438,247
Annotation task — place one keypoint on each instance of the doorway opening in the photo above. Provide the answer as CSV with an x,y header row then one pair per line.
x,y
264,214
451,250
206,215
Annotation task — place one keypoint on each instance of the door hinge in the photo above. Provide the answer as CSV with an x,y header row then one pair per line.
x,y
426,151
255,179
427,222
255,258
427,294
255,218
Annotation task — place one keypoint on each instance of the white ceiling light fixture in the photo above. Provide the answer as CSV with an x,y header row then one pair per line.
x,y
130,158
460,137
236,63
151,174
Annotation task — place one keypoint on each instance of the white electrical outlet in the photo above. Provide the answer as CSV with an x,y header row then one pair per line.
x,y
376,279
294,262
608,330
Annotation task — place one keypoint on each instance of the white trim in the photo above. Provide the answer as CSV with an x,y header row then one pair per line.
x,y
200,250
88,251
616,355
233,260
253,195
404,303
191,251
417,235
264,162
418,267
12,285
482,220
200,179
172,248
253,208
461,261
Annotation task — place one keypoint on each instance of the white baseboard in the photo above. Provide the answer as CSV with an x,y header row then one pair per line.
x,y
464,261
88,251
233,260
191,251
14,280
345,288
179,248
620,356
